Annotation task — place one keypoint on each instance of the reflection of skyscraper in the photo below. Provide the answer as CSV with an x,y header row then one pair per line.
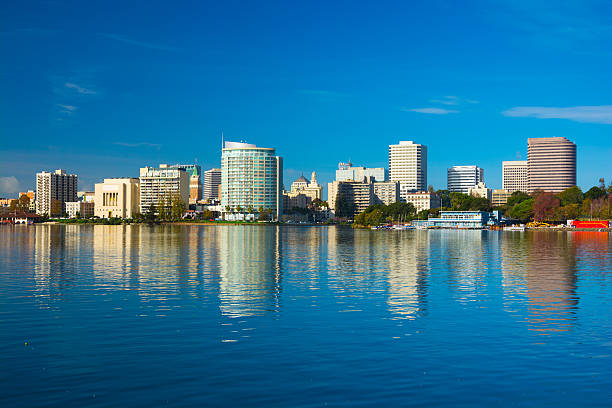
x,y
408,269
249,270
539,272
465,255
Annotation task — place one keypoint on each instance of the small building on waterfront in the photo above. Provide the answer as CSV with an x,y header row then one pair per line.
x,y
461,219
81,209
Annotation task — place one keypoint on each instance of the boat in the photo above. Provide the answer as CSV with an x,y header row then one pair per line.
x,y
515,228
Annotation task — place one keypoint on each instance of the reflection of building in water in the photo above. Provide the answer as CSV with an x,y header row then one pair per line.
x,y
116,254
466,254
513,262
548,279
408,270
250,275
58,259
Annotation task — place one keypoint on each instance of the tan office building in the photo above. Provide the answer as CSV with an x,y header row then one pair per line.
x,y
117,197
514,175
551,164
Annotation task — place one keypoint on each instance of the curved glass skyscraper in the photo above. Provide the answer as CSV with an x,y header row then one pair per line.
x,y
251,176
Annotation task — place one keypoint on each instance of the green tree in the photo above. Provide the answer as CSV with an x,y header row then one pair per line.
x,y
208,215
250,209
523,210
264,215
572,195
150,213
239,209
445,200
516,198
23,204
344,207
594,193
177,207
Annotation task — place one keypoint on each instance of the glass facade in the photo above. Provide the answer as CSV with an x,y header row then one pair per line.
x,y
250,177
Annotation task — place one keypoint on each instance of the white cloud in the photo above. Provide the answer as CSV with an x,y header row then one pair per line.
x,y
432,111
447,100
138,144
587,114
143,44
80,89
67,109
9,185
453,100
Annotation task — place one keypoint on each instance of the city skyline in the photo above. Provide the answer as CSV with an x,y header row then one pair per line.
x,y
93,94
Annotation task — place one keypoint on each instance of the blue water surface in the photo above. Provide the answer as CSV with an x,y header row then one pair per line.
x,y
144,316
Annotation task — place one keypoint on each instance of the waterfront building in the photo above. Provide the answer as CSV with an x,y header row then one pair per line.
x,y
82,209
408,166
461,178
30,194
212,184
514,175
117,197
423,200
348,172
500,197
480,190
358,194
251,176
158,185
551,164
53,190
461,219
386,192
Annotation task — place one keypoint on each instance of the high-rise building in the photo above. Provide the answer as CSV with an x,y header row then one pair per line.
x,y
514,175
117,197
251,176
162,184
348,172
551,164
195,187
408,165
359,195
461,178
212,184
53,190
195,182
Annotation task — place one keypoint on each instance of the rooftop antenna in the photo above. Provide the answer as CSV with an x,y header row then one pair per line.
x,y
518,155
222,140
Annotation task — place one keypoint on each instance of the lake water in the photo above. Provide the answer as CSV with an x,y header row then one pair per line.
x,y
147,316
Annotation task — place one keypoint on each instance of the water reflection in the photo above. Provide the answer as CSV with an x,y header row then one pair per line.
x,y
250,272
408,270
241,271
539,274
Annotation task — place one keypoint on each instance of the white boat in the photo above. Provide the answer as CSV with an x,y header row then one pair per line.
x,y
515,228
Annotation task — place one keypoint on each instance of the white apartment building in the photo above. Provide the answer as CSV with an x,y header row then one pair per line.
x,y
423,200
160,184
348,172
251,176
514,175
117,197
461,178
408,166
53,190
83,209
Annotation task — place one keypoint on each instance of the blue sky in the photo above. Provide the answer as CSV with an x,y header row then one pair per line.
x,y
103,88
